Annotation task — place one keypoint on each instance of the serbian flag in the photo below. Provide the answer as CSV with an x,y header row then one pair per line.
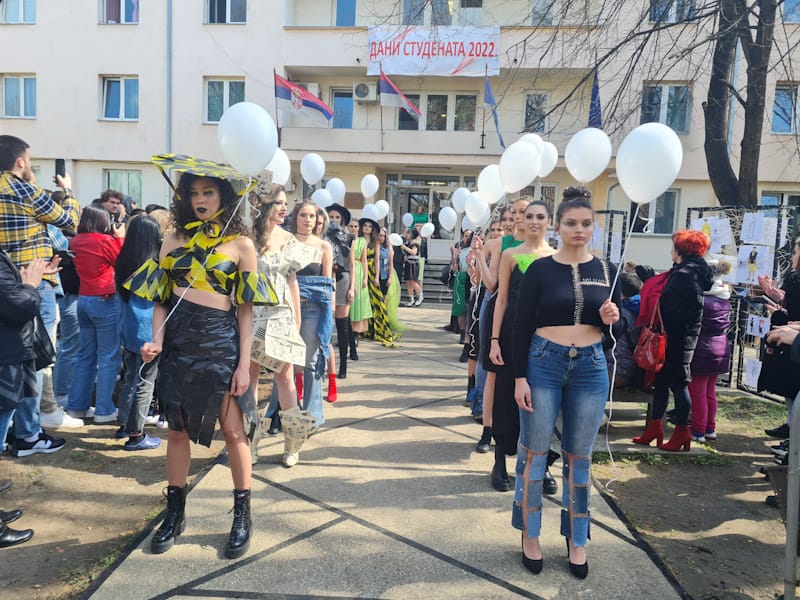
x,y
490,102
296,100
391,96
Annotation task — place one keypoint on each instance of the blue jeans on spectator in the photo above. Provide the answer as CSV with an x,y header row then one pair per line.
x,y
312,385
577,387
69,342
99,356
136,394
476,395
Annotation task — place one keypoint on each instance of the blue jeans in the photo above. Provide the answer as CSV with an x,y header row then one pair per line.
x,y
577,387
69,343
312,385
136,394
99,356
476,395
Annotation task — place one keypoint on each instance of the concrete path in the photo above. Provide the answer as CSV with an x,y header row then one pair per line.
x,y
389,500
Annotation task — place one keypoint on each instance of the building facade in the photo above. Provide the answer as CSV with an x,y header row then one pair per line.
x,y
107,83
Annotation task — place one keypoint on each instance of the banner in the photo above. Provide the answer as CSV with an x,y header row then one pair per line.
x,y
445,51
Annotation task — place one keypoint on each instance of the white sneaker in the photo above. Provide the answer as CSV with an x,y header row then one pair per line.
x,y
57,419
419,300
112,418
151,419
162,422
82,414
409,304
290,458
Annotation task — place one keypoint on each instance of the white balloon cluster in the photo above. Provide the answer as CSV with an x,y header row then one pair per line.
x,y
247,138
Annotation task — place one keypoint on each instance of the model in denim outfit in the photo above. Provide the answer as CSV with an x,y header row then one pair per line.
x,y
559,367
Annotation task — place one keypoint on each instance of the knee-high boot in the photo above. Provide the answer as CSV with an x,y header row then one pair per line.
x,y
351,336
342,341
239,539
174,521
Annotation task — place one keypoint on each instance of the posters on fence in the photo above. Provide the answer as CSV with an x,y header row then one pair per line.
x,y
758,228
719,232
752,370
753,260
757,326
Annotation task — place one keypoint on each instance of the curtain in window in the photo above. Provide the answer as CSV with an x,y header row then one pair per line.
x,y
131,11
235,92
131,98
651,104
111,110
11,93
678,107
113,12
216,99
135,186
30,97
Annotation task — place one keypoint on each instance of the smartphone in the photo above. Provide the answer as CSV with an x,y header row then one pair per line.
x,y
61,167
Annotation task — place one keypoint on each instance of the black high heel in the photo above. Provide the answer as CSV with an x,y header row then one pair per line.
x,y
534,565
579,571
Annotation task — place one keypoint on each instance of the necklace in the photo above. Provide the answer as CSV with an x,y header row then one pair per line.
x,y
304,238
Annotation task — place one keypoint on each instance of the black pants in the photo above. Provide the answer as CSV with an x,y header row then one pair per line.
x,y
680,390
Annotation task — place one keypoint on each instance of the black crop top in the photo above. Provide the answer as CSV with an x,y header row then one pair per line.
x,y
313,268
553,294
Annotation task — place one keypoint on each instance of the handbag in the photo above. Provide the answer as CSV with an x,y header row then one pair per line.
x,y
447,277
42,344
651,349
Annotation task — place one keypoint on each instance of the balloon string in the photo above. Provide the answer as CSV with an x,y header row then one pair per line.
x,y
624,252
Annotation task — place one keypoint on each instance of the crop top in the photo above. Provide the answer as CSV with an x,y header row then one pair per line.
x,y
555,294
312,268
197,265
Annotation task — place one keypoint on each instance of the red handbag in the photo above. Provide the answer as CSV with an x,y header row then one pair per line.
x,y
651,349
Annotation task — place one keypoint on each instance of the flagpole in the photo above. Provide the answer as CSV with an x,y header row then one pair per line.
x,y
275,99
380,65
483,123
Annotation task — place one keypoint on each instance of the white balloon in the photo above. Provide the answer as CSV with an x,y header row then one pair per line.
x,y
519,166
427,230
369,212
312,168
408,219
395,239
532,138
280,166
336,187
448,217
382,206
322,198
587,154
485,220
247,137
459,198
475,207
490,187
549,159
369,185
648,161
466,223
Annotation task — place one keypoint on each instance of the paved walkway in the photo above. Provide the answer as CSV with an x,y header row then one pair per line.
x,y
389,501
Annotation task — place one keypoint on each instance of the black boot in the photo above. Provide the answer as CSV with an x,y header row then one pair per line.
x,y
353,341
500,479
342,342
275,423
174,521
239,539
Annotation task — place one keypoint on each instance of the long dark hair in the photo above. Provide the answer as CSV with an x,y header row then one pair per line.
x,y
182,212
142,242
94,219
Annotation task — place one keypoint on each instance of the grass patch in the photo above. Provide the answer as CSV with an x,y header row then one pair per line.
x,y
750,411
656,459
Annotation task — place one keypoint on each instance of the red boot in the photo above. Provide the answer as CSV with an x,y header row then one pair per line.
x,y
681,440
298,383
654,431
332,395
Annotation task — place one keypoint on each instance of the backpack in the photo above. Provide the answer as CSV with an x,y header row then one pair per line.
x,y
650,295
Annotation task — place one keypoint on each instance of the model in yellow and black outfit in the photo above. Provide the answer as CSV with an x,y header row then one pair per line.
x,y
205,286
380,316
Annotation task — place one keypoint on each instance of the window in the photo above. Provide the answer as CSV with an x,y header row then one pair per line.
x,y
546,193
668,104
120,11
345,13
226,11
19,96
440,13
18,11
221,94
671,11
342,109
414,12
471,3
470,12
791,11
535,111
441,112
785,117
542,13
127,182
657,217
121,98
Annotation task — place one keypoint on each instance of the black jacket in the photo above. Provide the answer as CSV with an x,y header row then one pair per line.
x,y
682,313
18,307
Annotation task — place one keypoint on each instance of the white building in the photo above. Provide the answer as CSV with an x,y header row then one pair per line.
x,y
107,83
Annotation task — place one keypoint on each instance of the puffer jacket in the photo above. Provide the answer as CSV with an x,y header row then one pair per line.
x,y
713,352
19,306
682,313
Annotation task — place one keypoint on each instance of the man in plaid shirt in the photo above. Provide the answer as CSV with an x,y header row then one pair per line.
x,y
25,212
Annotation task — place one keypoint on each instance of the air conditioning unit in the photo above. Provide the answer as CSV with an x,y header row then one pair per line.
x,y
365,91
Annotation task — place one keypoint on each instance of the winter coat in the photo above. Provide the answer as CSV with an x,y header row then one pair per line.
x,y
682,313
19,305
626,333
791,299
713,352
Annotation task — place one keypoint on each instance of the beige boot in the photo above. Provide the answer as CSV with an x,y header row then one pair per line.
x,y
297,424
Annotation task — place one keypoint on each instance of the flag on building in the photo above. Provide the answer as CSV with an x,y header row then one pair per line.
x,y
489,102
595,110
391,96
294,99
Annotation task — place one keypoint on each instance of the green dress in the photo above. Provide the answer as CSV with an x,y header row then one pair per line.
x,y
360,308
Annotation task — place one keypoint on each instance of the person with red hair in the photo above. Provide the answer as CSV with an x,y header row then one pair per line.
x,y
681,305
